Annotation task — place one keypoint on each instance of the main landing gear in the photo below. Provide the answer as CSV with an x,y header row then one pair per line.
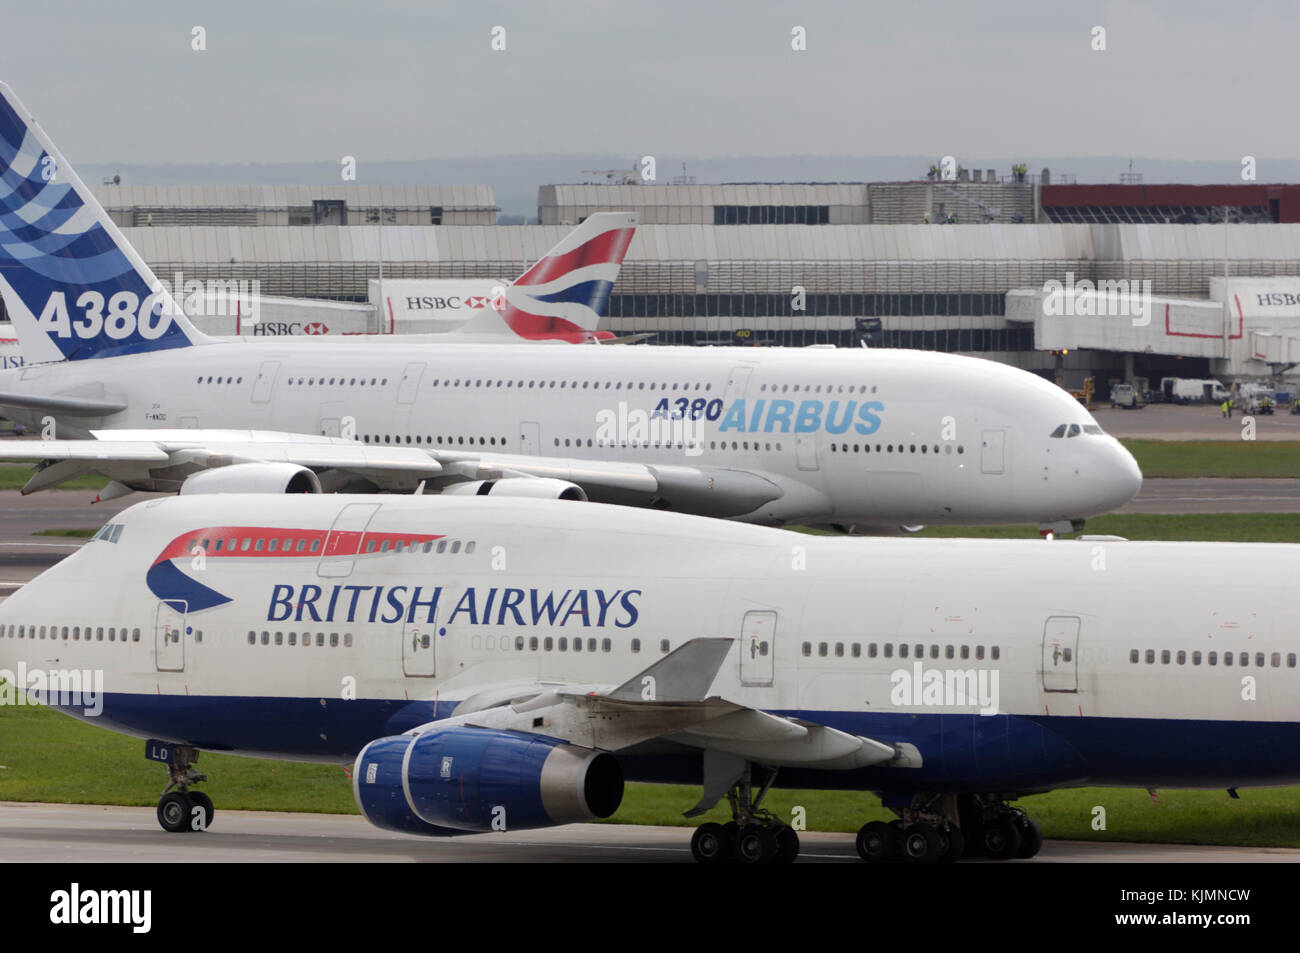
x,y
181,809
753,835
941,828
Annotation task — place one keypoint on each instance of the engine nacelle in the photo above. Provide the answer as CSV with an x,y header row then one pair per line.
x,y
253,478
462,780
539,488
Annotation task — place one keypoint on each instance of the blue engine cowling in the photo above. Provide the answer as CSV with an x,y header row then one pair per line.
x,y
461,780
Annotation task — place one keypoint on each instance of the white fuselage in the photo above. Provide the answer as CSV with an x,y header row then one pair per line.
x,y
849,436
1083,676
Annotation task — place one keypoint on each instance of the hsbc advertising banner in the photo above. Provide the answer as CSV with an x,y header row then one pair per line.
x,y
427,306
1267,298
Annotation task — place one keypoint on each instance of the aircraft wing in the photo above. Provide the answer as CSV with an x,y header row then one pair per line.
x,y
670,701
72,406
162,459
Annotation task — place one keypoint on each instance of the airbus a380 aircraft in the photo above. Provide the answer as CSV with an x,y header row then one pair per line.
x,y
504,664
847,437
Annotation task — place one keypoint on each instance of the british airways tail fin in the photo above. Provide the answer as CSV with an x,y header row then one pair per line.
x,y
73,287
563,296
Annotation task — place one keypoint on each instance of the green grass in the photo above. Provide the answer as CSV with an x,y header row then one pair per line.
x,y
1225,527
13,476
93,766
1216,458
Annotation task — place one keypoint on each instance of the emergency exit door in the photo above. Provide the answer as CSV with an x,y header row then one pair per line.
x,y
420,648
993,451
758,647
344,539
1061,654
169,636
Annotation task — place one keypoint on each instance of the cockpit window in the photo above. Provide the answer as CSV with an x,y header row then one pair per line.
x,y
1059,431
1074,431
109,532
1093,429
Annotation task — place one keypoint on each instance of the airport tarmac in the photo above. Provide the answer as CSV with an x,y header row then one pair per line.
x,y
1191,422
81,833
1216,495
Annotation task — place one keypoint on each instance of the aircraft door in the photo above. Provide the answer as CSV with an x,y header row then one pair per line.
x,y
1061,654
420,648
169,636
736,385
266,375
411,375
344,539
993,452
805,450
757,647
530,437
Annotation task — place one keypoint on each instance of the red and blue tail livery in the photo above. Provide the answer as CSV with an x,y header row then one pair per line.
x,y
563,295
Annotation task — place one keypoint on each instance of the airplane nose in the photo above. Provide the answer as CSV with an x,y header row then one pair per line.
x,y
1123,477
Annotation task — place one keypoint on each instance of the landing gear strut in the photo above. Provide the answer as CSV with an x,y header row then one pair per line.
x,y
753,836
941,828
179,808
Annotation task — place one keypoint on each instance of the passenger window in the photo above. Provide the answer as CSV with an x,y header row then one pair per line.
x,y
1151,656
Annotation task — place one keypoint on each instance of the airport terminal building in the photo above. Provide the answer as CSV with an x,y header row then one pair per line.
x,y
877,263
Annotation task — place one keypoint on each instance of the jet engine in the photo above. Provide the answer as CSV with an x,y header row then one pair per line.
x,y
462,780
536,488
253,478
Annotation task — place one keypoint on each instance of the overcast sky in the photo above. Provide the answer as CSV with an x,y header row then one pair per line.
x,y
383,79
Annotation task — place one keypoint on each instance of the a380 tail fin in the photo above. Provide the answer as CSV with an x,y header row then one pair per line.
x,y
562,297
72,285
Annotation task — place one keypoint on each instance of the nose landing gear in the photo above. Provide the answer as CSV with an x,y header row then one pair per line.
x,y
181,809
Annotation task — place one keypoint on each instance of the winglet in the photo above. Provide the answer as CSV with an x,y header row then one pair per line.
x,y
683,675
